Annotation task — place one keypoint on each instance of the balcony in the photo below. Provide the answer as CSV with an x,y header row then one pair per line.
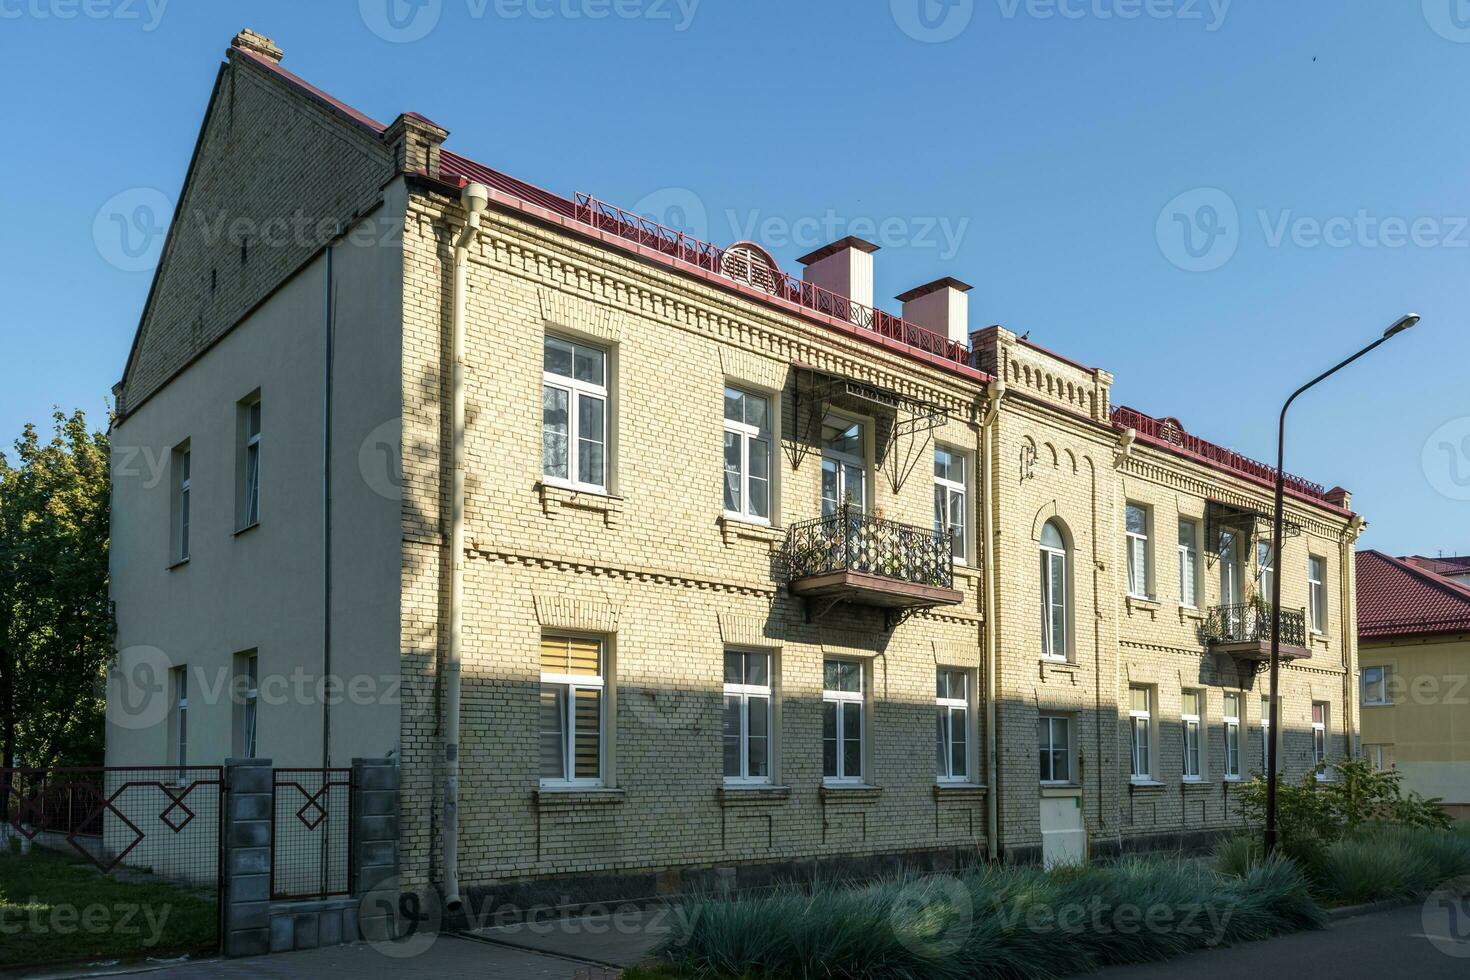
x,y
856,557
1244,632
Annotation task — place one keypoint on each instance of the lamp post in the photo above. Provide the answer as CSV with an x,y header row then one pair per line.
x,y
1274,737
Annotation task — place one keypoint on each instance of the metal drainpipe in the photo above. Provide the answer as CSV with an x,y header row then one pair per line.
x,y
475,197
996,392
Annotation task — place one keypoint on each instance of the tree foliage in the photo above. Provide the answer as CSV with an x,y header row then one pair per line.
x,y
56,622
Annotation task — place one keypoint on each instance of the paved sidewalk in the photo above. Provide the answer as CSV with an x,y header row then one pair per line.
x,y
1403,942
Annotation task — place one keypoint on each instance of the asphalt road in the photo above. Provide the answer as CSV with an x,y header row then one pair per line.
x,y
1405,942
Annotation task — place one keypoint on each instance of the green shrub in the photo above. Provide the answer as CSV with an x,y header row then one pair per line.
x,y
992,922
1237,854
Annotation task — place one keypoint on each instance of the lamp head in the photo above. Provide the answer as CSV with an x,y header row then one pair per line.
x,y
1401,324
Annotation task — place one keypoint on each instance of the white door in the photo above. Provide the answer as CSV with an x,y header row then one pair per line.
x,y
844,476
1063,841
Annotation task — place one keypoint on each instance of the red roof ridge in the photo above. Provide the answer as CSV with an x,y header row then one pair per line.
x,y
361,118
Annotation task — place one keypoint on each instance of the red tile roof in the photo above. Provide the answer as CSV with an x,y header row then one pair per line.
x,y
1399,598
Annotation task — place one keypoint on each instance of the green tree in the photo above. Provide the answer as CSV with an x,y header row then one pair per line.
x,y
56,623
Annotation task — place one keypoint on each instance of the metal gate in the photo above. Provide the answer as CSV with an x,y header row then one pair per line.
x,y
311,833
155,830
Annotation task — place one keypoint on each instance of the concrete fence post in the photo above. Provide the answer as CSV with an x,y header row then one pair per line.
x,y
245,891
374,823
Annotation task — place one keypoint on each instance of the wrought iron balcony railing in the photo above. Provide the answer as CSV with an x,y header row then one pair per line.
x,y
1251,623
854,541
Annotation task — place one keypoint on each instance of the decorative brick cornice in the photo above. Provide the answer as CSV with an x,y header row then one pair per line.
x,y
629,573
562,265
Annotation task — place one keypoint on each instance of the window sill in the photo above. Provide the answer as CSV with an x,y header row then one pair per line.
x,y
849,793
733,528
1191,612
1141,602
968,572
1060,790
178,564
246,529
556,497
1376,704
552,796
735,794
1145,784
1227,780
959,791
1192,782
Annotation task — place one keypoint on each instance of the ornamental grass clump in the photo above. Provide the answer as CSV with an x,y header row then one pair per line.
x,y
990,922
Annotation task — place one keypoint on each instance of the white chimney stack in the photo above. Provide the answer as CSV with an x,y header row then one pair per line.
x,y
845,267
941,306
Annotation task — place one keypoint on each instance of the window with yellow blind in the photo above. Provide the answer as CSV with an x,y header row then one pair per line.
x,y
571,719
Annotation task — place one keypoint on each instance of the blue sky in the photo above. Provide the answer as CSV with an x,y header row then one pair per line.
x,y
1211,200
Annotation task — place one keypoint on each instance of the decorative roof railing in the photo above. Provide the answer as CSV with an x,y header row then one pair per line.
x,y
1170,433
729,263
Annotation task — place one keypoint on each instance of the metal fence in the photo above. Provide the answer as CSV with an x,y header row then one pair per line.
x,y
311,839
1251,623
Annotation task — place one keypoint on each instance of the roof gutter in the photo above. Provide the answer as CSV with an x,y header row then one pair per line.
x,y
474,197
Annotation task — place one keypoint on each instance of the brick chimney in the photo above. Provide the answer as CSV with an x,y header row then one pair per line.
x,y
416,141
258,44
942,306
845,267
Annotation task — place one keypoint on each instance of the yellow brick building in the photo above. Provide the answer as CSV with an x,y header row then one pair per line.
x,y
1414,636
757,580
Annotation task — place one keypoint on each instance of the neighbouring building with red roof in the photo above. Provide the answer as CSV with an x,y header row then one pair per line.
x,y
657,567
1414,642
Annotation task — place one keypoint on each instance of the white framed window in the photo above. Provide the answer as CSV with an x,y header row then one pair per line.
x,y
842,721
1054,631
247,700
1140,726
1188,563
1054,734
1138,552
1265,570
1228,552
574,414
844,465
1232,736
952,733
182,483
1317,593
950,512
1375,686
747,485
1319,736
179,685
248,514
1191,708
747,717
572,715
1380,755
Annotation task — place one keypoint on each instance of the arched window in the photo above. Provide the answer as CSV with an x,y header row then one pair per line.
x,y
1053,593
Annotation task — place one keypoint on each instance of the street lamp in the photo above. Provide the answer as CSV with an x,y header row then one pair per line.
x,y
1398,327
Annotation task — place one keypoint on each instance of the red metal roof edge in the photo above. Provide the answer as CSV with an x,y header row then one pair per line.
x,y
361,118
